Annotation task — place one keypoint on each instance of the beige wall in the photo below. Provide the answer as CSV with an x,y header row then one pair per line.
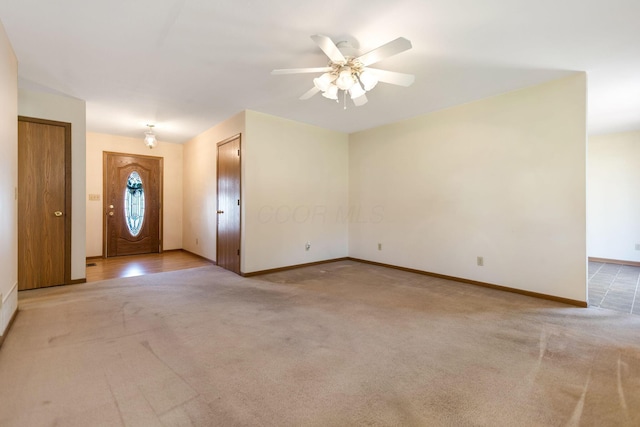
x,y
295,187
199,194
613,196
70,110
172,185
8,181
502,178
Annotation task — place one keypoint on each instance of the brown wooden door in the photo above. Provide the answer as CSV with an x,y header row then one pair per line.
x,y
132,204
44,203
228,234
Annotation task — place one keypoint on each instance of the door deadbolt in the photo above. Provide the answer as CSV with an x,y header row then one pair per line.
x,y
57,213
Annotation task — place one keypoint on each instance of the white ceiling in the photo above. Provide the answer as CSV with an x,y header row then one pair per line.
x,y
187,65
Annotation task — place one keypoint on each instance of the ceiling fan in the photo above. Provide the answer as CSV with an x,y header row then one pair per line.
x,y
350,73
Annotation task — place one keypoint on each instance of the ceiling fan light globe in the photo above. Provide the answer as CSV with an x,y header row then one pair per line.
x,y
345,80
368,80
331,92
323,82
356,91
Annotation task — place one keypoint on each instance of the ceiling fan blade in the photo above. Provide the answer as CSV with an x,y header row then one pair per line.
x,y
301,70
310,93
361,100
386,50
329,48
393,77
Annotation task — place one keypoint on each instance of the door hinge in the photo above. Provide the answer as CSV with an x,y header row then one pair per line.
x,y
238,153
238,202
238,251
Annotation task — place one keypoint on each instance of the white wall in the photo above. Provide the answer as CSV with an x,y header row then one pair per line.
x,y
172,185
8,181
613,196
502,178
70,110
199,194
295,190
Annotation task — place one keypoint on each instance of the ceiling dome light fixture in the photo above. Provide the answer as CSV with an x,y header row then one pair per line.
x,y
150,137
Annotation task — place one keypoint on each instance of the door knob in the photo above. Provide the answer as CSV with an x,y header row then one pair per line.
x,y
220,212
57,213
110,213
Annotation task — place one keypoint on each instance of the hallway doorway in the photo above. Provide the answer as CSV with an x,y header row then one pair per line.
x,y
614,287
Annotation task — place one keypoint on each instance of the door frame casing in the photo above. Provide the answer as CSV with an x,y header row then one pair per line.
x,y
67,188
105,155
237,136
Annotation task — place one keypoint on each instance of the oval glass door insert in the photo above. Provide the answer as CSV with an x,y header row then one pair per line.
x,y
134,203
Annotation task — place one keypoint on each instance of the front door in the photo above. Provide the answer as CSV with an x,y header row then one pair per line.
x,y
44,203
228,235
132,204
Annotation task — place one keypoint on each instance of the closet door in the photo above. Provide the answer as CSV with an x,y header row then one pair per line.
x,y
44,203
228,229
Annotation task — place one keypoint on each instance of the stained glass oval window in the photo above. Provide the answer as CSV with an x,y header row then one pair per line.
x,y
134,203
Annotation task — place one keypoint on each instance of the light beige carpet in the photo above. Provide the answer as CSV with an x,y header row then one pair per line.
x,y
337,344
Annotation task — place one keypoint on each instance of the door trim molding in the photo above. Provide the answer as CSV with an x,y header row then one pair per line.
x,y
67,188
231,138
160,159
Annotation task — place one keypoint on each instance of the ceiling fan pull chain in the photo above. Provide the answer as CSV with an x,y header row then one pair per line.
x,y
344,99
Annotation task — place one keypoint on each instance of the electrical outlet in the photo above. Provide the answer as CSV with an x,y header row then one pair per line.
x,y
379,246
480,261
307,246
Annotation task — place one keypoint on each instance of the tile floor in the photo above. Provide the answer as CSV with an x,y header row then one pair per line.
x,y
615,287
